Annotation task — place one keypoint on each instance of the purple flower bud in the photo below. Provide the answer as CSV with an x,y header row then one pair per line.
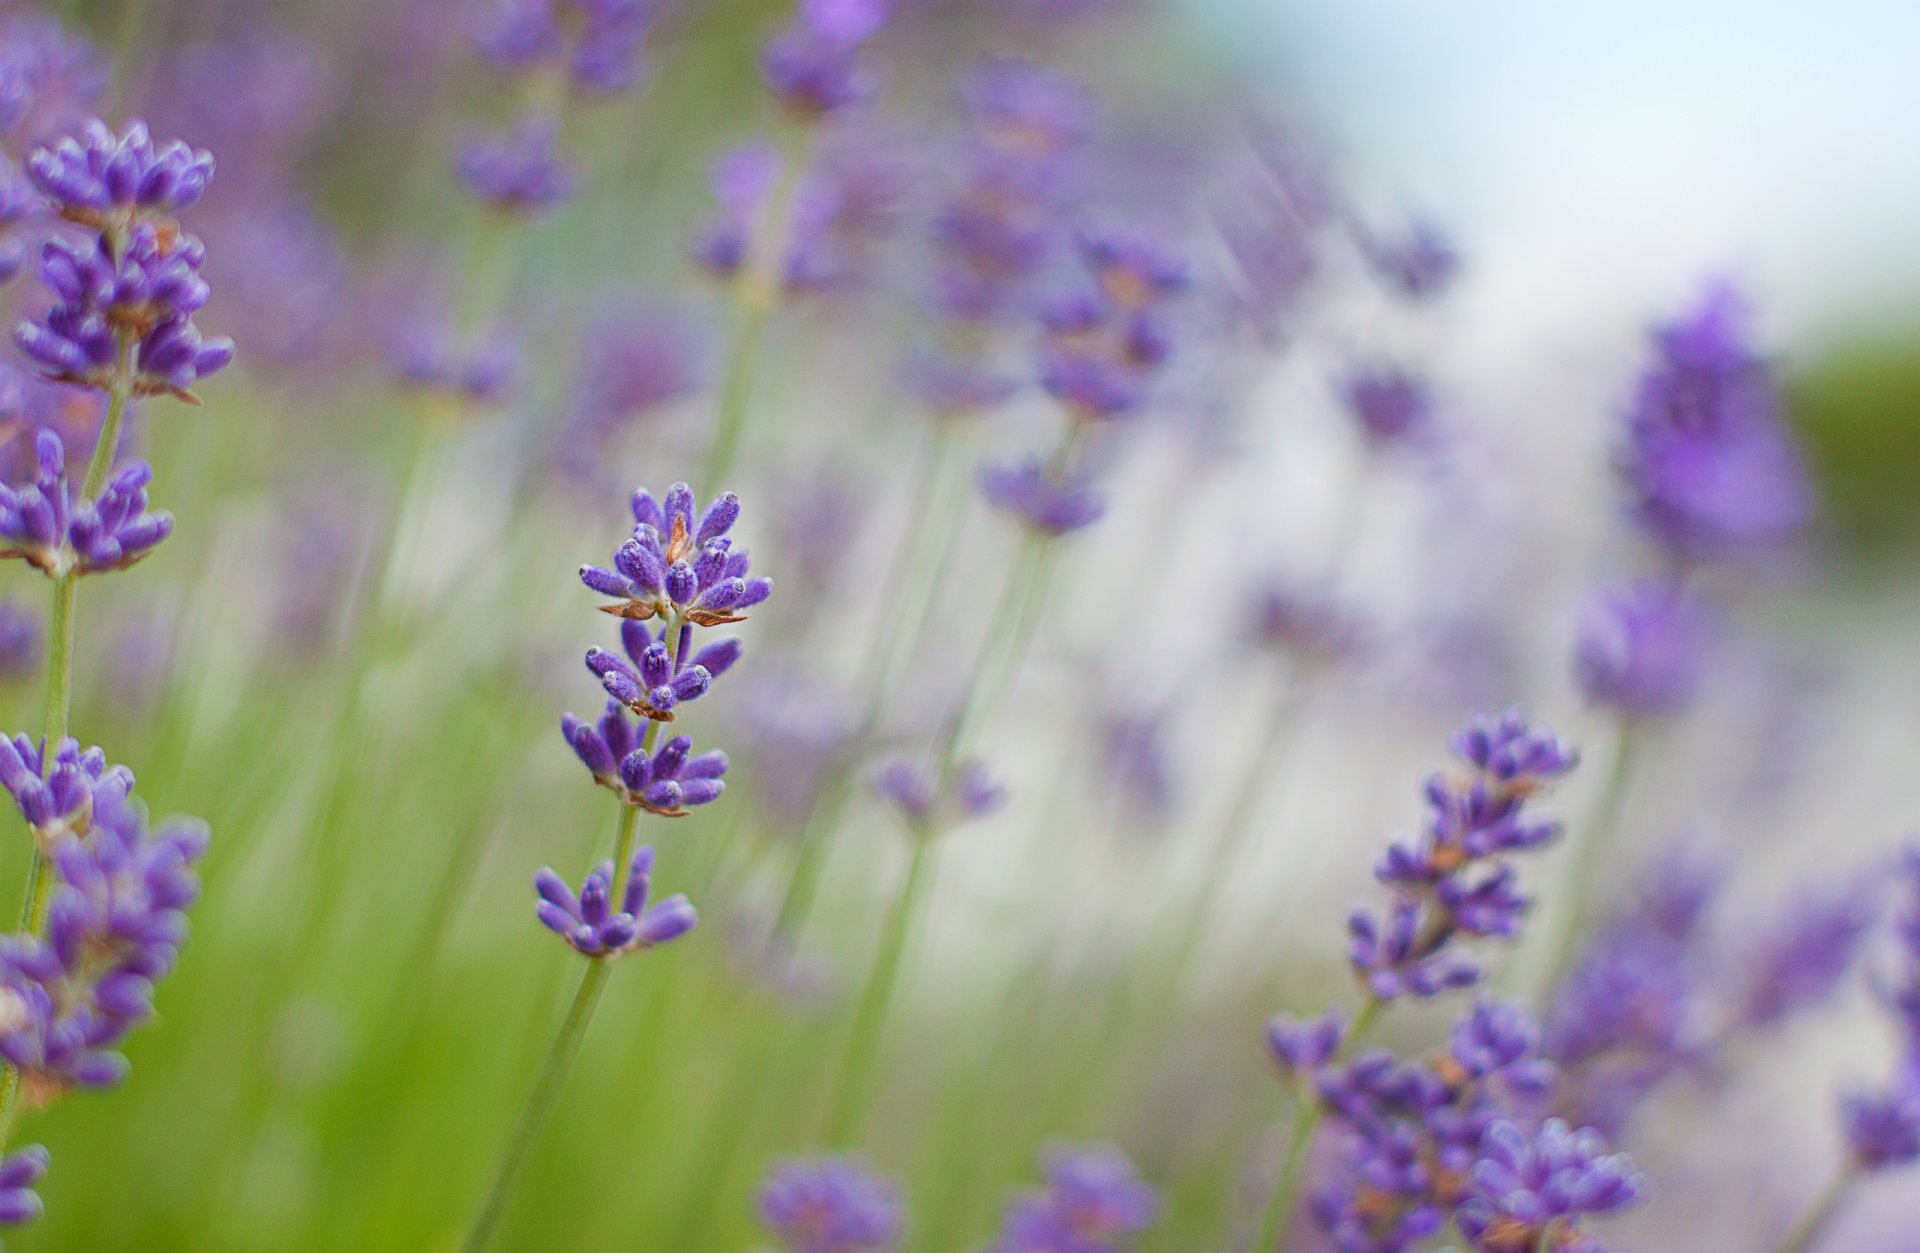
x,y
590,923
830,1205
1640,648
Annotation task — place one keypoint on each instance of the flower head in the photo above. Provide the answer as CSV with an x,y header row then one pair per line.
x,y
1640,648
590,922
20,1170
830,1205
43,525
669,781
1050,503
680,563
1093,1201
106,181
650,680
1393,406
814,66
519,170
57,797
600,41
928,802
1556,1178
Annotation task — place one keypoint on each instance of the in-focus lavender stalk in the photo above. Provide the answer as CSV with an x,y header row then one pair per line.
x,y
97,933
680,568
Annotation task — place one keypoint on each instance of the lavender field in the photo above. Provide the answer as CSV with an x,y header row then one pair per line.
x,y
948,626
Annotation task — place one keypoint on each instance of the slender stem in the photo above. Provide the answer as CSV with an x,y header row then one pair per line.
x,y
546,1090
623,839
854,1093
109,439
756,291
1306,1121
1588,845
1819,1215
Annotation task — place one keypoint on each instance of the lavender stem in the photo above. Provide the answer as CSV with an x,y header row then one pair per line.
x,y
1819,1215
1588,844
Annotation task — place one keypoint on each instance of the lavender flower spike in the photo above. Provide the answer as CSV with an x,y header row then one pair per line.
x,y
44,526
649,680
1524,1187
669,783
1093,1202
1640,648
57,797
590,923
519,171
680,564
105,181
830,1205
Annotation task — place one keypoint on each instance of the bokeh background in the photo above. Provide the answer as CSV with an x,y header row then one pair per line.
x,y
352,655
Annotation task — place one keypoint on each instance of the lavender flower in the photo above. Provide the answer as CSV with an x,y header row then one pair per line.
x,y
814,65
1801,961
669,781
1547,1183
650,680
520,170
1302,1047
20,641
431,358
830,1205
1049,503
1712,470
928,803
600,41
1882,1128
680,565
1093,1202
114,927
1640,648
1392,405
19,1172
107,182
1418,265
57,797
57,535
20,204
1311,628
1023,112
49,76
594,928
1104,348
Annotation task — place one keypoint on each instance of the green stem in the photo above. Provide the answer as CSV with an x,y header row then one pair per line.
x,y
1588,845
756,291
1819,1215
623,836
854,1094
1306,1121
533,1115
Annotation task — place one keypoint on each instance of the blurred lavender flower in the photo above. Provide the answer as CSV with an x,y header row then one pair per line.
x,y
1882,1128
680,564
113,930
19,1172
1548,1183
1093,1202
256,95
1313,629
43,524
590,923
830,1205
1104,348
1419,264
1136,762
431,358
518,170
600,41
1712,469
634,360
1640,648
1802,959
814,66
1301,1047
1392,406
58,797
795,729
49,77
1452,882
1049,504
928,803
668,782
20,641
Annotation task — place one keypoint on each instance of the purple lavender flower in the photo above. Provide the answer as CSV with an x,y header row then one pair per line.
x,y
601,41
1494,1038
1093,1202
19,1172
841,206
57,535
1801,960
1301,1047
669,781
113,930
58,797
830,1205
125,299
20,641
107,182
519,170
680,564
1419,264
1104,349
433,359
1712,470
1042,500
1024,112
1640,648
928,803
650,680
814,66
1312,628
1553,1180
1392,405
590,923
49,77
1882,1129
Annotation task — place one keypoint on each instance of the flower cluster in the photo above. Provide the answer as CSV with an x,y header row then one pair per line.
x,y
679,566
519,170
1092,1202
115,922
830,1205
1882,1127
599,42
589,922
1392,406
814,65
1530,1190
1454,881
1641,647
432,359
929,803
667,781
43,525
125,295
1106,343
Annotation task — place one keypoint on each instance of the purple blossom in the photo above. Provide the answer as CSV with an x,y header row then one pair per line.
x,y
1556,1178
432,358
1393,406
20,205
838,209
958,385
651,679
43,525
1300,1047
1419,264
106,182
1101,356
634,360
830,1205
1093,1202
1510,754
49,76
601,41
57,797
1025,112
1712,470
20,1170
1312,628
1802,958
1048,503
519,170
927,802
669,781
1136,268
814,66
680,564
1882,1129
1641,647
590,923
